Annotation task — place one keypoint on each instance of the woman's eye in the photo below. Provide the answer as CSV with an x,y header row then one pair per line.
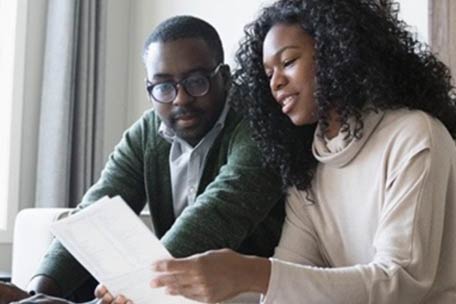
x,y
287,63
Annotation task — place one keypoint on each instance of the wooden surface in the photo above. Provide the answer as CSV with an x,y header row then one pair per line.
x,y
442,31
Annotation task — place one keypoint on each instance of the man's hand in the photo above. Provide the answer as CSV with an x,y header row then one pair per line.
x,y
10,293
106,297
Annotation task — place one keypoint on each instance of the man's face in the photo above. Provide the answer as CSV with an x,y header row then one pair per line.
x,y
190,117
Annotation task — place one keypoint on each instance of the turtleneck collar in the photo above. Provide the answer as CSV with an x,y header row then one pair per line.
x,y
340,150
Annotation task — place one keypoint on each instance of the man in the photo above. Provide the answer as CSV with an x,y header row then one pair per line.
x,y
191,160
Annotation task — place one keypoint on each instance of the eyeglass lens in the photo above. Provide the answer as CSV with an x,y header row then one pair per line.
x,y
195,85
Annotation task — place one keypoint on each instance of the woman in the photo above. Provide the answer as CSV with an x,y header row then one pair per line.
x,y
359,118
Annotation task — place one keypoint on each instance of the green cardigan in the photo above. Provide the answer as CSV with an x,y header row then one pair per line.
x,y
239,203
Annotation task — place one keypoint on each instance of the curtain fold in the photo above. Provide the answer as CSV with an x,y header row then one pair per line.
x,y
442,31
71,114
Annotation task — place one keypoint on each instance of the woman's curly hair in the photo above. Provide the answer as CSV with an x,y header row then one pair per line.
x,y
363,54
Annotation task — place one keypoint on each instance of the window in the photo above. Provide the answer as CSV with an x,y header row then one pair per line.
x,y
415,13
12,38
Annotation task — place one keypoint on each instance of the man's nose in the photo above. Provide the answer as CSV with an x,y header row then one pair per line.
x,y
182,97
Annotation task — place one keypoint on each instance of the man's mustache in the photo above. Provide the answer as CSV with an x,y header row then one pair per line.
x,y
179,112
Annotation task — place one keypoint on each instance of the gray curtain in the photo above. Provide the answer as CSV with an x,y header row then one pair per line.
x,y
71,114
442,31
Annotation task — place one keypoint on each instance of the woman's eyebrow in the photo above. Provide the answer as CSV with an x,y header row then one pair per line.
x,y
283,49
279,52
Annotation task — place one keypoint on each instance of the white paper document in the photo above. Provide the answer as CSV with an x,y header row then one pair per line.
x,y
117,248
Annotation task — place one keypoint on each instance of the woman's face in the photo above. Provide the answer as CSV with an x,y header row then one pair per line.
x,y
288,59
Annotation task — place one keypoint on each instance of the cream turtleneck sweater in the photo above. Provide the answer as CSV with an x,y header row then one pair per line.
x,y
382,226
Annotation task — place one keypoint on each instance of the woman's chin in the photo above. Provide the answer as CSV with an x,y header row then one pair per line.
x,y
300,120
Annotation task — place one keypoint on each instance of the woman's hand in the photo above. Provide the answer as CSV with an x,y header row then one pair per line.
x,y
105,297
213,276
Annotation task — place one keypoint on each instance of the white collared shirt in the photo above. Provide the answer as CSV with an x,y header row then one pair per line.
x,y
187,163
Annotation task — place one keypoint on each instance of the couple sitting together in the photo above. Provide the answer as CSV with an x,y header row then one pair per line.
x,y
321,170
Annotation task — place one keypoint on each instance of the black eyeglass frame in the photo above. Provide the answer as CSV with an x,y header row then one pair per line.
x,y
175,84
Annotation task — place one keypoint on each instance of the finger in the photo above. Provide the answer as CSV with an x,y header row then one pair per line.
x,y
178,289
120,300
162,280
177,278
164,266
172,286
107,298
193,292
100,290
173,265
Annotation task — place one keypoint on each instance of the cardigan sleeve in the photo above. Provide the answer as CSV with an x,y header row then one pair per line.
x,y
122,175
240,197
407,242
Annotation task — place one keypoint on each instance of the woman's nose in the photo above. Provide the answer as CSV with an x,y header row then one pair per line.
x,y
277,81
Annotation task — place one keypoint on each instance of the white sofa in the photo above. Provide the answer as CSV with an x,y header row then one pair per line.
x,y
32,237
30,241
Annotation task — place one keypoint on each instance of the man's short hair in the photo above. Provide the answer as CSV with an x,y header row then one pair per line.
x,y
180,27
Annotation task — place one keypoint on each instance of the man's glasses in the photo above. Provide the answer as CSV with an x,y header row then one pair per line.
x,y
196,85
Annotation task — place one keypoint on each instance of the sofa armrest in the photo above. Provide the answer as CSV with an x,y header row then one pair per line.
x,y
31,239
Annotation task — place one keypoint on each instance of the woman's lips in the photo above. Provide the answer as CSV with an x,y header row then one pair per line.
x,y
288,103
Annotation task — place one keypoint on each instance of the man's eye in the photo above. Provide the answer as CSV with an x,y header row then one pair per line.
x,y
163,87
195,81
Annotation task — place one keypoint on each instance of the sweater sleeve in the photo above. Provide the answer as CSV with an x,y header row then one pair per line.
x,y
232,205
122,175
407,243
298,230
